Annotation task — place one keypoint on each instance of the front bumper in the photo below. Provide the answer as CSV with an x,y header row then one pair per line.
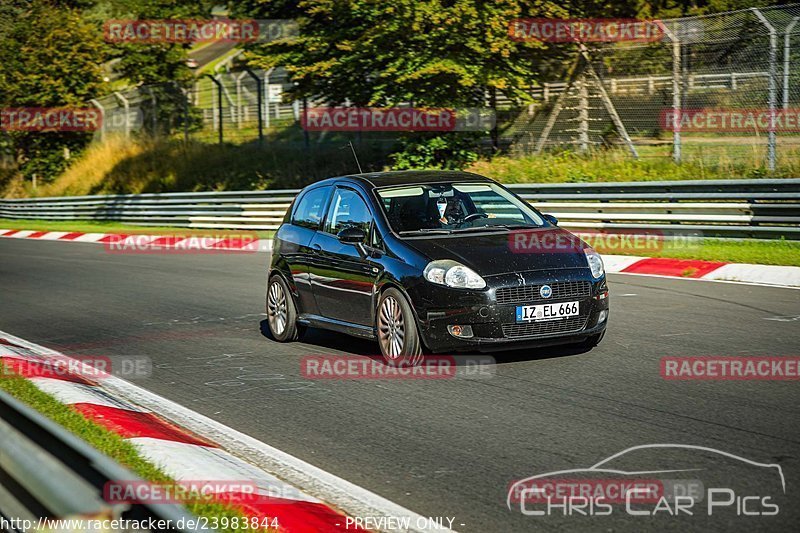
x,y
491,313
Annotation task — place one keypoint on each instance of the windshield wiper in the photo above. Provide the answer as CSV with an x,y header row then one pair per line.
x,y
426,230
495,226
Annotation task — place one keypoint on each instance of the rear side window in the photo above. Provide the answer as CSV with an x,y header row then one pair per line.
x,y
311,208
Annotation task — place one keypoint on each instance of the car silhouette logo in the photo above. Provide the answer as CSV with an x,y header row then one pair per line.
x,y
607,467
546,291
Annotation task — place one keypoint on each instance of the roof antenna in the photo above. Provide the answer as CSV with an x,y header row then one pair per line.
x,y
356,157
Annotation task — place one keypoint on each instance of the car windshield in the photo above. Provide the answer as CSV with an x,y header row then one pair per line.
x,y
455,207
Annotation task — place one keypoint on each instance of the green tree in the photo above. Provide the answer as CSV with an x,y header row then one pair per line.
x,y
156,63
433,53
49,57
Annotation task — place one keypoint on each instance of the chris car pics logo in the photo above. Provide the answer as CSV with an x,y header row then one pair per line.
x,y
656,480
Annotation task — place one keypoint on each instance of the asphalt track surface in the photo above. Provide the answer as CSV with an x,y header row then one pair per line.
x,y
445,447
209,53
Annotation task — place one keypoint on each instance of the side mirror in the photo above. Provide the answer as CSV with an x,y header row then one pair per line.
x,y
351,235
551,219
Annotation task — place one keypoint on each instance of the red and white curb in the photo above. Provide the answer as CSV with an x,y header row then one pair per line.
x,y
188,446
778,276
123,242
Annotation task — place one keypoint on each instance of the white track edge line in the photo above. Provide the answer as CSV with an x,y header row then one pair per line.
x,y
751,283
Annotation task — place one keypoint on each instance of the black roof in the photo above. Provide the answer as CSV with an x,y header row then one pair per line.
x,y
408,177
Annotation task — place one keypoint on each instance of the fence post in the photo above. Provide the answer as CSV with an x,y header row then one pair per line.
x,y
306,136
219,104
239,99
677,84
102,118
260,104
787,44
265,86
127,107
185,95
546,92
154,110
583,115
773,87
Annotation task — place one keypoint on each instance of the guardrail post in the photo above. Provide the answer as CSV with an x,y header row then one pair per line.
x,y
219,105
773,87
260,100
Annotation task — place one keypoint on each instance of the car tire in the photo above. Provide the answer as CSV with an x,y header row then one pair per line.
x,y
398,336
281,312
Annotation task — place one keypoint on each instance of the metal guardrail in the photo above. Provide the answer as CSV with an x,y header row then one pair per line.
x,y
764,208
48,473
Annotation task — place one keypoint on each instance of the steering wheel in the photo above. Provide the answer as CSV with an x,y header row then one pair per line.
x,y
473,216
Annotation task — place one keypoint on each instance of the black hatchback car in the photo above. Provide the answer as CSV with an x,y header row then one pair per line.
x,y
448,261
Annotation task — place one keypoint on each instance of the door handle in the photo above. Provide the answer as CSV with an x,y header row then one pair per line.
x,y
316,246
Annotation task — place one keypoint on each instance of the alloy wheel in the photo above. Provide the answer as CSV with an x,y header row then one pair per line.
x,y
276,308
391,327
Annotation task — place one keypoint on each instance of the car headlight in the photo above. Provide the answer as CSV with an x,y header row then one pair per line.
x,y
595,262
453,274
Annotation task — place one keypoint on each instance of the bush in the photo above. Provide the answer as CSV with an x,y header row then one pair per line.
x,y
452,151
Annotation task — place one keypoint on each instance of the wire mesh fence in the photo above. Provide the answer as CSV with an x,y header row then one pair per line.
x,y
716,88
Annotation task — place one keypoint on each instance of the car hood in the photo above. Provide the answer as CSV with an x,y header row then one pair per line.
x,y
502,252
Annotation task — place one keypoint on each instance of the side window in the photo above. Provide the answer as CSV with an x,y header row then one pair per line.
x,y
310,210
347,210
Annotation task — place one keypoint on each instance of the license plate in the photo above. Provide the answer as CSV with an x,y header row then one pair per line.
x,y
530,313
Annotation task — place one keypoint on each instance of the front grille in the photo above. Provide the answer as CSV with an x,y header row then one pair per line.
x,y
533,329
562,290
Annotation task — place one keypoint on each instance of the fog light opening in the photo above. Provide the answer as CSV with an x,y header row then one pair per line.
x,y
462,332
602,316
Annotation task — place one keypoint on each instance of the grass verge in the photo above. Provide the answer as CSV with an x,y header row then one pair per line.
x,y
103,440
786,253
772,252
617,165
